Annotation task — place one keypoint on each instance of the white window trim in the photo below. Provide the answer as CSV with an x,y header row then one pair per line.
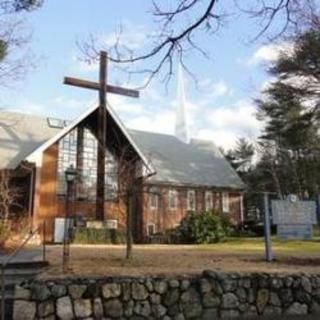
x,y
205,200
157,201
175,193
191,192
225,202
150,224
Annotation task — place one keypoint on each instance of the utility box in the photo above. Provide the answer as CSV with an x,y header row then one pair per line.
x,y
59,225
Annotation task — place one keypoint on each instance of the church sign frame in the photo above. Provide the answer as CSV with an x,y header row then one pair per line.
x,y
294,218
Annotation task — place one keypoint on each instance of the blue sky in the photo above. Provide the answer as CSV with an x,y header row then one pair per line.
x,y
220,107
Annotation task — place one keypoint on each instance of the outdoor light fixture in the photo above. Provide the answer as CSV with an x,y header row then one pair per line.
x,y
70,173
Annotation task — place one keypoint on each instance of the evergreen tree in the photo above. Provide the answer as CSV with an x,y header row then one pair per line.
x,y
290,113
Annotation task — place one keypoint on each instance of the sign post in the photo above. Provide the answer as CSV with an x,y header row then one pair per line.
x,y
267,230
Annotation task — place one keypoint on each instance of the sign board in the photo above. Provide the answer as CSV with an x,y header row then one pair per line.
x,y
294,231
108,224
294,218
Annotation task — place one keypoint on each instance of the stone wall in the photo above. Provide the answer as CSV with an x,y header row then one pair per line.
x,y
211,295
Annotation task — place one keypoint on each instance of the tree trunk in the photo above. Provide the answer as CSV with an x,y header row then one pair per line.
x,y
130,208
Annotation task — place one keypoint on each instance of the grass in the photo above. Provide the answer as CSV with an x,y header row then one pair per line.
x,y
255,245
232,255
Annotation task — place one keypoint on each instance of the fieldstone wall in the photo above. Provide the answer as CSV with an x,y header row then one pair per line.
x,y
211,295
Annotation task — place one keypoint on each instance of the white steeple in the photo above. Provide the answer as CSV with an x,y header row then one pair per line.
x,y
181,128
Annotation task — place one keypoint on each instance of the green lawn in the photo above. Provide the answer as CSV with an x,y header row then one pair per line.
x,y
254,245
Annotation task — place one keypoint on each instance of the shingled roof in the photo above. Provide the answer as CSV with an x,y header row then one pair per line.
x,y
198,163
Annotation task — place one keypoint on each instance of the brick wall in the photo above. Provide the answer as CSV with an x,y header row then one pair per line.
x,y
164,217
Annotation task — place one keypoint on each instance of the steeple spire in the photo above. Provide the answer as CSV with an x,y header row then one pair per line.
x,y
181,127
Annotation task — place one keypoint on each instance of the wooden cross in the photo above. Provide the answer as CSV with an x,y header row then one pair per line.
x,y
103,88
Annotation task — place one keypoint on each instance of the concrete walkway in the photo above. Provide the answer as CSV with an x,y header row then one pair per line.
x,y
27,254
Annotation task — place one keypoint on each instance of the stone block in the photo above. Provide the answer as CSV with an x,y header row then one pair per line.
x,y
58,290
142,308
21,293
230,301
45,308
297,309
139,291
97,308
82,308
111,290
77,290
113,308
161,286
64,308
262,299
24,310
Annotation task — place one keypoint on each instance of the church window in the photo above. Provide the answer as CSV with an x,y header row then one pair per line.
x,y
225,202
173,199
151,229
86,188
208,200
154,198
191,199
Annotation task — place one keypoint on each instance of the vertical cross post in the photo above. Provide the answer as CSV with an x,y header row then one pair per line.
x,y
102,129
103,88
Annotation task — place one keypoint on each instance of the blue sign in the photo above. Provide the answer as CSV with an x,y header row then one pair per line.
x,y
294,231
294,218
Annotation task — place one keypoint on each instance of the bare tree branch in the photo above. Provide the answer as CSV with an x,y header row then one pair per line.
x,y
181,24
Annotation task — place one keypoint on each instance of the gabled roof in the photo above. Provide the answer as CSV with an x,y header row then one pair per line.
x,y
21,135
198,163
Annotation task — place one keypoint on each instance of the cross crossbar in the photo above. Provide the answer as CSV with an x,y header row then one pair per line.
x,y
96,86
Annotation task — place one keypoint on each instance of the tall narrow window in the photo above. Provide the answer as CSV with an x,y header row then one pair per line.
x,y
208,201
225,202
173,199
154,198
191,198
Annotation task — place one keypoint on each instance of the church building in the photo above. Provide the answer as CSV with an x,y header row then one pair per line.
x,y
168,175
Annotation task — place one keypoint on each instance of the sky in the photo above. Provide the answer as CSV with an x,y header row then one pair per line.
x,y
220,104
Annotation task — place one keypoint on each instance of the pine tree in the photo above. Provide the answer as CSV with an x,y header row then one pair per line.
x,y
290,113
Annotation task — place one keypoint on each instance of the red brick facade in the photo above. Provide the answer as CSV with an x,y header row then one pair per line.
x,y
148,219
163,216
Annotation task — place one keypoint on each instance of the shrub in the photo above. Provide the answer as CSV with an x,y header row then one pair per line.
x,y
83,235
206,227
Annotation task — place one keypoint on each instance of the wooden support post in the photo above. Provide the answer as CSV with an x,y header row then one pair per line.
x,y
103,88
102,129
79,160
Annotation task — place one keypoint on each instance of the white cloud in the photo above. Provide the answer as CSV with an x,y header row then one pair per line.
x,y
161,122
131,36
214,89
221,138
123,105
224,125
269,53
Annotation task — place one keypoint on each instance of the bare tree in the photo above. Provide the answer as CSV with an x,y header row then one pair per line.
x,y
15,56
128,189
181,24
9,195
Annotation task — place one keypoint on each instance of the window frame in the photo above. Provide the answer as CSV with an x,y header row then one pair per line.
x,y
208,192
225,202
191,191
175,193
153,196
151,224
